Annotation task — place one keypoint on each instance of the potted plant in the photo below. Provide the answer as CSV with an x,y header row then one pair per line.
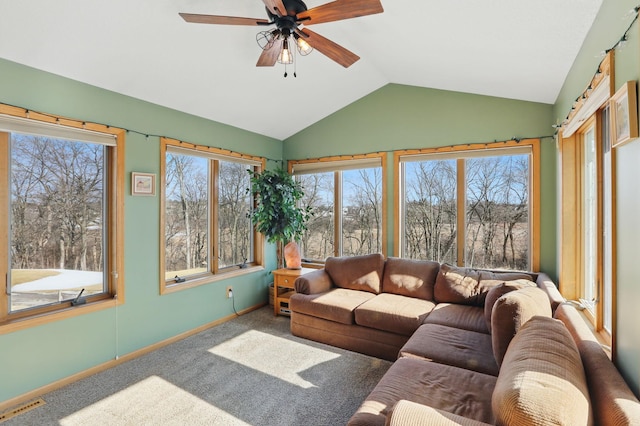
x,y
277,214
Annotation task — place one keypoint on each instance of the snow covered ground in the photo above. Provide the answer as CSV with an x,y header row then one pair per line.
x,y
66,279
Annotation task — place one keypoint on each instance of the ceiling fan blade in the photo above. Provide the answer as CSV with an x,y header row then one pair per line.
x,y
269,56
221,20
328,48
341,9
276,7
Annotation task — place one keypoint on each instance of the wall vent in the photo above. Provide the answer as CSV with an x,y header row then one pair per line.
x,y
21,409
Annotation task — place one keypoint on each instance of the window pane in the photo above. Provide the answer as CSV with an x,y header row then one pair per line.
x,y
318,242
430,210
497,206
607,219
186,215
590,202
57,220
235,239
362,211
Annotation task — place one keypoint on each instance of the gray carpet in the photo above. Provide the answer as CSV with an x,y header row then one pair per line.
x,y
248,371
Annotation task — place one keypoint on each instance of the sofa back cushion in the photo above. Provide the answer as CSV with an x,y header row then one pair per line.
x,y
500,290
407,277
511,311
356,272
542,380
456,285
468,286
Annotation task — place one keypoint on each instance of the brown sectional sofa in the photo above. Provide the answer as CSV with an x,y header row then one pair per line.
x,y
469,346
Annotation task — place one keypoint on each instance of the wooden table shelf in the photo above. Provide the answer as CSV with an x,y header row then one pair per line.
x,y
285,279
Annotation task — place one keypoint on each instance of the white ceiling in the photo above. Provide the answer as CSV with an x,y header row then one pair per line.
x,y
517,49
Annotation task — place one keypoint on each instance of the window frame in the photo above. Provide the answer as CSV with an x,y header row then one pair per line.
x,y
458,152
572,280
336,164
586,112
114,258
213,273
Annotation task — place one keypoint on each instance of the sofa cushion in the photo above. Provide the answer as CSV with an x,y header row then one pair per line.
x,y
410,413
491,279
452,346
469,286
456,285
542,380
408,277
335,305
456,390
500,290
393,312
511,311
458,316
356,272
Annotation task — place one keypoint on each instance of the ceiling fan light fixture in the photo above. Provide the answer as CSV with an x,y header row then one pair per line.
x,y
285,56
265,39
304,48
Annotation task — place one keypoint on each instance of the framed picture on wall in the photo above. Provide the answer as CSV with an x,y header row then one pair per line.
x,y
624,114
143,184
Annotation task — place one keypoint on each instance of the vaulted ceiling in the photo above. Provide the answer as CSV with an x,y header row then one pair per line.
x,y
507,48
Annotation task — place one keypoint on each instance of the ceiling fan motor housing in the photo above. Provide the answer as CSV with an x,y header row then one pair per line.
x,y
293,8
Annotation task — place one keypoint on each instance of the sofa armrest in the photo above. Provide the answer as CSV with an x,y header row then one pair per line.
x,y
546,284
407,413
314,282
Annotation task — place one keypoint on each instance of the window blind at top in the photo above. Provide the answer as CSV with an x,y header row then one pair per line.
x,y
337,165
212,155
58,131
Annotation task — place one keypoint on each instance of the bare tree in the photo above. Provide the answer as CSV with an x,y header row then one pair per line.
x,y
318,241
187,194
57,195
362,223
430,210
234,205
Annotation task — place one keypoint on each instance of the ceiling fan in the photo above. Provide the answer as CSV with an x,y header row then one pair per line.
x,y
291,19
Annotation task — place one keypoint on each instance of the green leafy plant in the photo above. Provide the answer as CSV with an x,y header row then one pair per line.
x,y
277,214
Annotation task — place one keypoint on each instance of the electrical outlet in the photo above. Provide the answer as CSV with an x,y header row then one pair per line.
x,y
229,292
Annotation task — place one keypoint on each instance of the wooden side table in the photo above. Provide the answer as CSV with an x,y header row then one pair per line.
x,y
285,278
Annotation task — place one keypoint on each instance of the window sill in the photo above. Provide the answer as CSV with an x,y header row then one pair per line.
x,y
603,337
172,287
11,325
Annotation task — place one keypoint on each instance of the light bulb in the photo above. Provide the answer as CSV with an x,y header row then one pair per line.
x,y
285,56
303,47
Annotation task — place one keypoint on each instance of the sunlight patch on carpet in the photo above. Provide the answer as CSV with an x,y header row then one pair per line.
x,y
170,405
241,349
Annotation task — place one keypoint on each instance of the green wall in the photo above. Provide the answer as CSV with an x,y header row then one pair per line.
x,y
399,117
612,21
391,118
40,355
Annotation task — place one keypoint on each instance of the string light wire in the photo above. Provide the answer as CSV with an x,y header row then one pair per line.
x,y
617,45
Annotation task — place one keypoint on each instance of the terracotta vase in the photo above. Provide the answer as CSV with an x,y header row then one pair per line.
x,y
292,256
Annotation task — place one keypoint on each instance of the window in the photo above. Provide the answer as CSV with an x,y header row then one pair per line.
x,y
595,260
207,229
62,226
470,207
346,197
587,204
